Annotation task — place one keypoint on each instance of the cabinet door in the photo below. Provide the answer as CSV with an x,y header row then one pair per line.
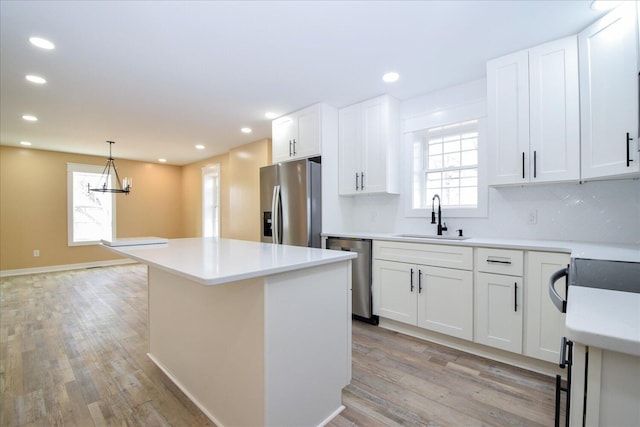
x,y
282,139
394,293
544,324
554,119
445,301
609,94
307,140
375,115
350,148
498,311
508,118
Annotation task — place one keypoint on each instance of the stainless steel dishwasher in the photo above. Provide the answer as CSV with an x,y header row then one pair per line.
x,y
362,304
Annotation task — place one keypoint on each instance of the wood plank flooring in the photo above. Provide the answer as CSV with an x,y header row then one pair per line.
x,y
73,352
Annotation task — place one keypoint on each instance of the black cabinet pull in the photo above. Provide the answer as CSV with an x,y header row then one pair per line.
x,y
498,261
564,362
357,188
411,280
629,139
534,164
523,165
362,180
419,281
515,297
289,148
294,147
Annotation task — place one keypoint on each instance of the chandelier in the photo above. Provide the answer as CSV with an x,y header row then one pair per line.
x,y
121,187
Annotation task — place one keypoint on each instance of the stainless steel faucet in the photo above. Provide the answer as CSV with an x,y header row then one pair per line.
x,y
441,228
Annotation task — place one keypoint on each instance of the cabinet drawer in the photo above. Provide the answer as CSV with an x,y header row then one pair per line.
x,y
460,257
500,261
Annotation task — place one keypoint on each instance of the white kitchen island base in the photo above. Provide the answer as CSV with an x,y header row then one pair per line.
x,y
255,334
273,350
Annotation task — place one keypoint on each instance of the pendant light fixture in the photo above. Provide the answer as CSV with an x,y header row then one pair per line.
x,y
103,184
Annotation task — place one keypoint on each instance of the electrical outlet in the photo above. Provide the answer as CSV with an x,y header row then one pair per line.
x,y
36,252
532,218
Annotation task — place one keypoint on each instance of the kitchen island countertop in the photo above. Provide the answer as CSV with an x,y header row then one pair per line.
x,y
215,261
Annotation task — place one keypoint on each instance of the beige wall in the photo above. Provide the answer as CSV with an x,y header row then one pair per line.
x,y
33,207
166,201
244,192
239,191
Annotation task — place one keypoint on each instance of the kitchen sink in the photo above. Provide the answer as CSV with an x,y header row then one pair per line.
x,y
433,236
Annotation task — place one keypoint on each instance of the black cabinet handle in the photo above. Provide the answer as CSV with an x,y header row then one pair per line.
x,y
411,280
629,139
534,164
515,297
357,188
523,165
564,362
294,147
419,281
289,148
362,180
498,261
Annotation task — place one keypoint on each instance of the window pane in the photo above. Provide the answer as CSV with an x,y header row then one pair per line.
x,y
92,211
448,165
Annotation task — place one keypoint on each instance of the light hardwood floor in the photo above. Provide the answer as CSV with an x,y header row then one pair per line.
x,y
73,352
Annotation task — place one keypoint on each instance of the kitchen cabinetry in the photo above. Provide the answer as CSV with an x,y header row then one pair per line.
x,y
499,298
412,283
299,134
605,391
544,324
533,115
368,139
609,94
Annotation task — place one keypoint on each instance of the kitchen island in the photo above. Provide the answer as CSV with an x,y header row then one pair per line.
x,y
253,333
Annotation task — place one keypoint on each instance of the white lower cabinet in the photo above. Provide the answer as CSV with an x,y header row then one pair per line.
x,y
499,298
498,314
445,301
544,324
503,302
434,298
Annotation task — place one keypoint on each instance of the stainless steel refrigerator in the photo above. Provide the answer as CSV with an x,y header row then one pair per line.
x,y
291,203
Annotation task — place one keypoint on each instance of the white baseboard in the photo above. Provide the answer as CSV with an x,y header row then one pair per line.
x,y
53,268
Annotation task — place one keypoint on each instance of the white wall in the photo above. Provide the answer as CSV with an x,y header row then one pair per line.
x,y
603,211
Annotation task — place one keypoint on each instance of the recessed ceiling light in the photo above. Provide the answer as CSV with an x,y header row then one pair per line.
x,y
270,115
602,5
245,130
35,79
30,118
200,147
162,160
42,43
391,77
25,143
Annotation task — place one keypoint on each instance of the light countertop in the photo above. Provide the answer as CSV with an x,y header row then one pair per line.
x,y
213,261
607,251
605,319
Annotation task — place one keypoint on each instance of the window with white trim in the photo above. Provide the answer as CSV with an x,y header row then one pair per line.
x,y
90,214
445,162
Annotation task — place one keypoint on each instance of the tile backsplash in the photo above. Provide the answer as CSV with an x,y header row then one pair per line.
x,y
598,211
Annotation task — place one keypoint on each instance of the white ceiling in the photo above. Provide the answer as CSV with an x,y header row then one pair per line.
x,y
159,77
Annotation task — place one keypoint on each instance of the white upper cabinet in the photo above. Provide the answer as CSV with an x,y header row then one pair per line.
x,y
533,114
368,138
299,135
609,94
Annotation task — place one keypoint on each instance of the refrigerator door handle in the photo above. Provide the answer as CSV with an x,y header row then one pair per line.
x,y
274,216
